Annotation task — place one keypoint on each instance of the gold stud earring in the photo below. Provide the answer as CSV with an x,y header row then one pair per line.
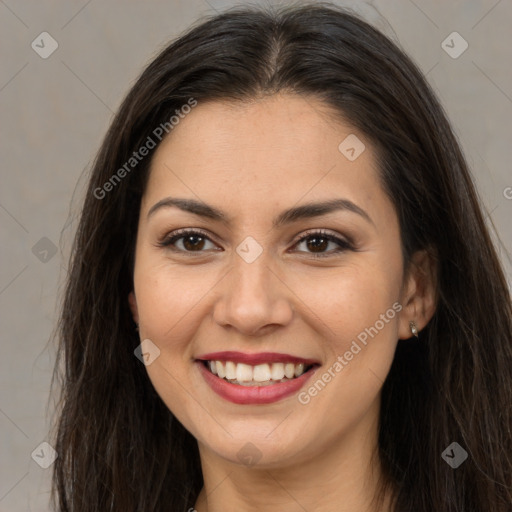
x,y
414,329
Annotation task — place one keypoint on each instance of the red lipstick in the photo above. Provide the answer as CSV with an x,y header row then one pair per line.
x,y
254,359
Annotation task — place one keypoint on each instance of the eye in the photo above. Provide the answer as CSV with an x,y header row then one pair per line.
x,y
193,240
319,240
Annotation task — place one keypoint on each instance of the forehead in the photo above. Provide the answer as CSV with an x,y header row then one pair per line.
x,y
272,151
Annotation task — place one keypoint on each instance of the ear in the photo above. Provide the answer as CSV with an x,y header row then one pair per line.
x,y
419,293
133,307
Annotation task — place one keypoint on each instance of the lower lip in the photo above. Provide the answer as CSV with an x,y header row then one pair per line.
x,y
253,394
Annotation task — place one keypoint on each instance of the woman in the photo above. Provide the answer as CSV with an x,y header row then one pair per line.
x,y
283,295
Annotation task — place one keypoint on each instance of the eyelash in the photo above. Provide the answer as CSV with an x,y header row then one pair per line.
x,y
169,240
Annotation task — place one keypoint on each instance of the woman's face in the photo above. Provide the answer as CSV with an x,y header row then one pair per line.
x,y
247,287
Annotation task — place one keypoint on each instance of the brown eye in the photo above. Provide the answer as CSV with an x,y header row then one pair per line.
x,y
318,241
191,241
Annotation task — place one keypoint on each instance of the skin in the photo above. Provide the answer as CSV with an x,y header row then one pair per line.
x,y
252,161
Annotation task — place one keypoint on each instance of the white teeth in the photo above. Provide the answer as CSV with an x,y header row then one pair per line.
x,y
261,373
230,370
246,374
277,371
220,369
299,369
243,372
289,370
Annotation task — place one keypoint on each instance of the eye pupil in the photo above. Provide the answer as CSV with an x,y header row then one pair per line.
x,y
187,239
313,242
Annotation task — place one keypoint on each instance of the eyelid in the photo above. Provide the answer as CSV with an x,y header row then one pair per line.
x,y
166,240
344,243
331,235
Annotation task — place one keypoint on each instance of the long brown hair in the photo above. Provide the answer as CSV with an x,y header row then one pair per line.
x,y
120,448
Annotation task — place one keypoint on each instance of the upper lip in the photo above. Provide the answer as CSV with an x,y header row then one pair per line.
x,y
255,359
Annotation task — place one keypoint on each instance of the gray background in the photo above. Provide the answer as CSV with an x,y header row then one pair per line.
x,y
55,111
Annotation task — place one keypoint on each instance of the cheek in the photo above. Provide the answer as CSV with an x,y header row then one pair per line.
x,y
168,299
357,315
346,302
169,304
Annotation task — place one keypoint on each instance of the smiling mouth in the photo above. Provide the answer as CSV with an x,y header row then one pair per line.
x,y
265,374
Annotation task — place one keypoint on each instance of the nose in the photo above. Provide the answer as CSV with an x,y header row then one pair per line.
x,y
253,298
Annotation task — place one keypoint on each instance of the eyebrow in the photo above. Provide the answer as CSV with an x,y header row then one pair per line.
x,y
305,211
